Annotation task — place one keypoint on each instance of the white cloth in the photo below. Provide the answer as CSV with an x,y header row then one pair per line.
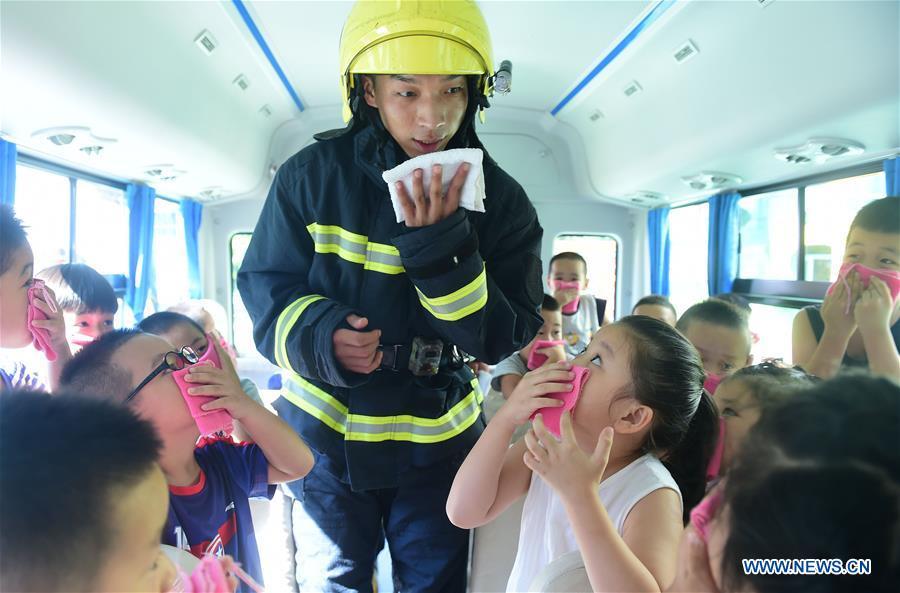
x,y
472,195
546,533
579,327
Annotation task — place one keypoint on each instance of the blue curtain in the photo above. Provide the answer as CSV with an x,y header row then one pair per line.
x,y
141,199
7,172
892,176
723,242
660,246
192,214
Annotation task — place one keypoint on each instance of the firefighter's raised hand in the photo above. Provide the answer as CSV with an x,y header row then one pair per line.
x,y
357,350
424,208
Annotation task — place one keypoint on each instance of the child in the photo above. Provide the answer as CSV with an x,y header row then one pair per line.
x,y
84,500
582,313
210,481
720,333
88,301
16,268
210,315
743,396
816,478
615,501
180,330
657,307
858,323
509,371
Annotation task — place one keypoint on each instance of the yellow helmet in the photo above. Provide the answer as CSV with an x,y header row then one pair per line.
x,y
415,37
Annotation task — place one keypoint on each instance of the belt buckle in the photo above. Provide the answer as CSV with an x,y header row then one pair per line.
x,y
390,357
425,356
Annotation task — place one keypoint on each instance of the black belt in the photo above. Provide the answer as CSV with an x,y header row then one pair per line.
x,y
395,358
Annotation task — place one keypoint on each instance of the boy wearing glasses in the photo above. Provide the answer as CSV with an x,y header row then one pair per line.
x,y
210,481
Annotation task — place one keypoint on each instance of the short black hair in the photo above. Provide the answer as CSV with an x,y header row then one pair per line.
x,y
64,463
92,372
843,433
163,321
714,311
12,236
568,255
735,299
657,300
771,384
549,303
879,216
80,288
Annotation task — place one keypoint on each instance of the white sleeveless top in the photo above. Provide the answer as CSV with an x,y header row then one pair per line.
x,y
579,327
546,533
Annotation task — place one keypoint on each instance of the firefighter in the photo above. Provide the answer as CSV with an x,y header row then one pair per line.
x,y
371,320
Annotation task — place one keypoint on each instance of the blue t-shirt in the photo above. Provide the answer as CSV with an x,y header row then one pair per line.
x,y
213,516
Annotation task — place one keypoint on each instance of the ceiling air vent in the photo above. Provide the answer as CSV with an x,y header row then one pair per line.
x,y
597,115
61,139
92,151
206,42
163,172
266,111
685,52
241,82
632,89
647,196
818,150
211,193
708,180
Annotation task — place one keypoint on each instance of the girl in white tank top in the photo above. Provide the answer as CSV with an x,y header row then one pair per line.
x,y
603,491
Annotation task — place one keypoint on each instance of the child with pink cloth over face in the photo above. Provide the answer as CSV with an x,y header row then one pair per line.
x,y
583,314
27,316
858,323
631,457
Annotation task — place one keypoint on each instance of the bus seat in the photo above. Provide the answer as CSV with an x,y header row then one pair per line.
x,y
566,574
494,549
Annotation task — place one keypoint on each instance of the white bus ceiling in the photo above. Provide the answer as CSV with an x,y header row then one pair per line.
x,y
766,76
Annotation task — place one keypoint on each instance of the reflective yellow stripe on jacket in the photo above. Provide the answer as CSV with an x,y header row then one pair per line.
x,y
285,324
456,305
355,248
375,429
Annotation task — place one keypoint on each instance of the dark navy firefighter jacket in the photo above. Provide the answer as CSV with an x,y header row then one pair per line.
x,y
326,245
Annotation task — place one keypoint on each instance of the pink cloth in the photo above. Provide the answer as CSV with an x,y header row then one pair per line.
x,y
705,512
209,577
41,336
209,422
715,462
568,308
890,277
712,382
553,416
535,358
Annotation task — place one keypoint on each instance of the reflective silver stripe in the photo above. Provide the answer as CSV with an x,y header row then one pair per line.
x,y
459,304
356,248
359,427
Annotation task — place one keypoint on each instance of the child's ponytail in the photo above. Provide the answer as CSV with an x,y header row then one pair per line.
x,y
667,376
687,461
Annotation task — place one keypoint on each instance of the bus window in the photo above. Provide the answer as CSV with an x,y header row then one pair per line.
x,y
169,260
101,227
601,252
830,208
769,236
689,236
43,204
241,325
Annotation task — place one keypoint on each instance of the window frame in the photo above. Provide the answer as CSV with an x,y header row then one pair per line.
x,y
618,242
799,293
232,280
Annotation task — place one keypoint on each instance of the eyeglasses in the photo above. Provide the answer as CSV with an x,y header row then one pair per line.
x,y
173,361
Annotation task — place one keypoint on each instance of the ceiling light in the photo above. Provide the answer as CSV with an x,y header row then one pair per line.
x,y
685,52
632,89
241,82
818,150
597,115
206,42
707,180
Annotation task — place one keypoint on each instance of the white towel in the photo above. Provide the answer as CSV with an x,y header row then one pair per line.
x,y
472,197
